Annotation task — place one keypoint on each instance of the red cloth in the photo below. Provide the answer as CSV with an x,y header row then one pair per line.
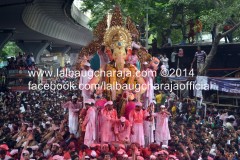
x,y
100,103
4,147
129,107
67,155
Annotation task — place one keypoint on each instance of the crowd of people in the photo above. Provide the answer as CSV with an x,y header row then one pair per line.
x,y
22,61
78,124
176,59
57,125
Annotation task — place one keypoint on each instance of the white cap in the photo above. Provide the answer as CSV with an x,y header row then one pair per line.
x,y
25,151
153,157
55,144
108,103
48,122
29,129
121,151
90,101
125,155
74,97
49,118
164,146
34,147
212,152
138,104
87,64
57,157
172,156
145,63
122,119
94,153
162,106
13,152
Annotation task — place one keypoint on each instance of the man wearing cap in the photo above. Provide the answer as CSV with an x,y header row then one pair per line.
x,y
122,130
73,108
85,77
108,118
162,133
89,123
136,118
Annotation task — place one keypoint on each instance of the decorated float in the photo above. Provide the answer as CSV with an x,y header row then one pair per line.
x,y
115,42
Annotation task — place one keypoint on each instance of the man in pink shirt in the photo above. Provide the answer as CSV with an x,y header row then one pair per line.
x,y
136,118
162,133
73,107
122,130
100,101
89,123
108,118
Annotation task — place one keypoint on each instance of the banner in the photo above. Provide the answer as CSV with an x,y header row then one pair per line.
x,y
180,79
231,85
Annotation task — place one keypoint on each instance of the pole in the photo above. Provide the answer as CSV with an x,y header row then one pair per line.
x,y
146,45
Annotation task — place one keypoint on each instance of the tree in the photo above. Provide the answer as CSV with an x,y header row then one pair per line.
x,y
213,50
10,49
223,10
164,13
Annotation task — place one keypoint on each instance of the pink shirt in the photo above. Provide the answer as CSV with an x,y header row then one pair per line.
x,y
123,131
133,59
136,116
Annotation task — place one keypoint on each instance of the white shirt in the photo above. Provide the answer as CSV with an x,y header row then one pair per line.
x,y
169,41
180,106
173,56
86,76
135,45
165,61
32,59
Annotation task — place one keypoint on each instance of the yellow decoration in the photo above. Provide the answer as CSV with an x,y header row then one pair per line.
x,y
117,34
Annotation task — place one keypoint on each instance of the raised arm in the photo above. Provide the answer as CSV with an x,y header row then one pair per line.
x,y
66,105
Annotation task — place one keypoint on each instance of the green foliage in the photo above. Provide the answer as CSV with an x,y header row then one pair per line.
x,y
164,13
10,49
99,8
